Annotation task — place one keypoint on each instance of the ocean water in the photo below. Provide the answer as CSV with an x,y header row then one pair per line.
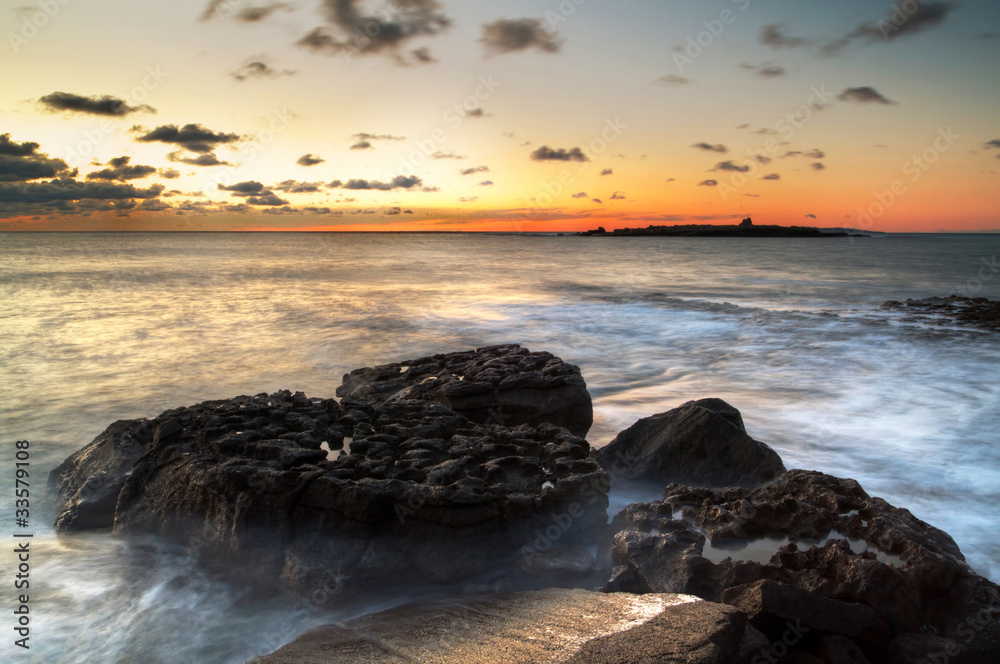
x,y
100,327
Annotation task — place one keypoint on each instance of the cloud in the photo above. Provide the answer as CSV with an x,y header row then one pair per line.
x,y
208,159
811,216
22,161
398,182
168,173
812,154
477,169
864,95
257,70
608,171
730,166
363,136
900,23
772,176
582,194
617,196
363,145
545,153
512,35
266,199
775,37
468,199
446,155
69,196
248,188
309,159
818,166
995,143
295,187
477,113
349,31
673,79
121,170
766,70
103,105
255,14
708,147
598,201
708,183
192,137
486,183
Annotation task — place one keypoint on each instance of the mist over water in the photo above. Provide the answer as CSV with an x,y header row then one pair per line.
x,y
101,327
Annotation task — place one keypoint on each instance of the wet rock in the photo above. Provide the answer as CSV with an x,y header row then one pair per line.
x,y
838,649
855,566
424,495
543,627
973,311
701,443
505,384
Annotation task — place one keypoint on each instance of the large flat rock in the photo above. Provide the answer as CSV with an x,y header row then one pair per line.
x,y
542,627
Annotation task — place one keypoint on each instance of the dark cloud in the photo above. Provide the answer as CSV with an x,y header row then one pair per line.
x,y
377,137
708,183
730,166
772,176
766,70
423,55
295,187
248,188
607,171
363,145
266,200
512,35
192,137
477,113
255,14
818,166
617,196
899,23
582,194
486,183
121,170
168,173
708,147
811,216
545,153
864,95
398,182
468,199
393,211
103,105
198,160
762,159
673,79
309,159
775,37
477,169
69,196
812,154
22,161
349,31
257,70
995,143
598,201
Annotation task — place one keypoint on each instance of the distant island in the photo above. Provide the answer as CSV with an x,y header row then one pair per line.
x,y
745,229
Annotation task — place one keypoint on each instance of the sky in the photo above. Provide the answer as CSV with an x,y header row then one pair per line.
x,y
506,115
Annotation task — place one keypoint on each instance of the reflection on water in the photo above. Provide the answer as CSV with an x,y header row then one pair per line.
x,y
100,327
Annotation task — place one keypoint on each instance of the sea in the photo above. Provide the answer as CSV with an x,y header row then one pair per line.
x,y
97,327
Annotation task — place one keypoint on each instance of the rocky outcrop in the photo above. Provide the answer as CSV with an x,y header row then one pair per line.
x,y
544,627
842,564
701,443
422,493
972,311
506,385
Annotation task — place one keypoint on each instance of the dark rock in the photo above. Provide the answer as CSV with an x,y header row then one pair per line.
x,y
506,385
423,495
838,649
972,311
873,571
701,443
545,627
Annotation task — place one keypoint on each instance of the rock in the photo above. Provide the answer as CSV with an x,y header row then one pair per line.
x,y
88,483
701,443
506,385
840,650
423,495
862,568
541,627
972,311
